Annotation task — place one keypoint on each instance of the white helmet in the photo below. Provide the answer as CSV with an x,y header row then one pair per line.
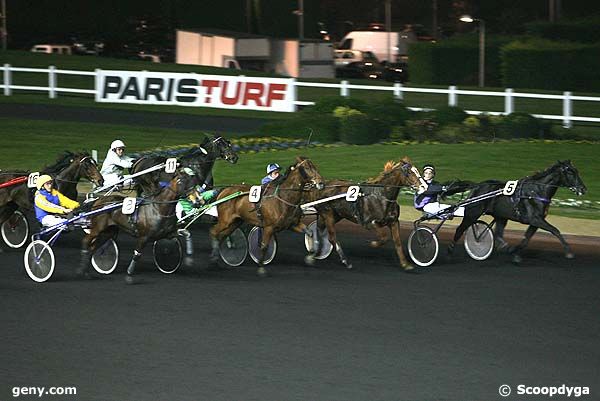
x,y
117,144
273,167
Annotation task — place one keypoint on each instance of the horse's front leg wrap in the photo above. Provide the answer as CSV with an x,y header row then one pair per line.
x,y
136,256
215,248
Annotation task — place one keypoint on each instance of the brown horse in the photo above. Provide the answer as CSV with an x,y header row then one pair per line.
x,y
153,219
279,207
375,208
68,169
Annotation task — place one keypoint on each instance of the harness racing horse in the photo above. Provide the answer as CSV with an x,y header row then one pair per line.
x,y
377,208
279,208
200,159
529,204
153,219
68,169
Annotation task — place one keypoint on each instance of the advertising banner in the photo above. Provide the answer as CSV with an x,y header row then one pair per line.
x,y
196,90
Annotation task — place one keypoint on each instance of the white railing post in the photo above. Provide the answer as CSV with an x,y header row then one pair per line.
x,y
95,155
398,91
7,79
567,110
52,82
344,90
509,101
97,84
452,102
294,94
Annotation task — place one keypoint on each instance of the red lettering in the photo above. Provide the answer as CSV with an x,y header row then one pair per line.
x,y
209,84
275,92
254,91
230,100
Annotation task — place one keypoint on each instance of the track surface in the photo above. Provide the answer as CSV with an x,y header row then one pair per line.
x,y
456,332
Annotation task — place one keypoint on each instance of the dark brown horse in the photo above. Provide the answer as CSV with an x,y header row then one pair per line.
x,y
153,219
375,208
279,207
68,169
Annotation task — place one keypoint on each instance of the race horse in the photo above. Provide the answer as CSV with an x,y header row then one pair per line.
x,y
200,159
279,207
67,171
529,205
153,219
375,208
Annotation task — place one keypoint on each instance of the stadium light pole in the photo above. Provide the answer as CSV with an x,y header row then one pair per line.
x,y
469,19
3,30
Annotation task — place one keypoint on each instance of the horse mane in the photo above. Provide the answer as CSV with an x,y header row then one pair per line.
x,y
388,168
63,161
540,174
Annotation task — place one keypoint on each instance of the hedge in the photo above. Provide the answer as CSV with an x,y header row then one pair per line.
x,y
543,64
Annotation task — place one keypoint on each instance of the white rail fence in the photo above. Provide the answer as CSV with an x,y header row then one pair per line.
x,y
398,90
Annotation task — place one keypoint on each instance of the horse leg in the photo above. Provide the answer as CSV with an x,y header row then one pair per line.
x,y
329,223
501,244
137,254
395,229
516,251
219,231
267,233
382,238
470,217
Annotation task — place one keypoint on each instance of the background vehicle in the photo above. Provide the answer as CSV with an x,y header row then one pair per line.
x,y
395,72
345,57
361,70
52,49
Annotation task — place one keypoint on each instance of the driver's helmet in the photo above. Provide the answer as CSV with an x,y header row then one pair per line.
x,y
42,179
431,169
273,167
117,144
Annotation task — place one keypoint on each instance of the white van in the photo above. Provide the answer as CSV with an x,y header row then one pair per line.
x,y
52,49
377,43
345,57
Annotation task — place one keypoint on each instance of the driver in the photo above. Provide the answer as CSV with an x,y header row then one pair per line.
x,y
115,162
426,200
51,207
273,171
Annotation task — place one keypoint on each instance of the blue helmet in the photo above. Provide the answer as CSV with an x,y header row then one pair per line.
x,y
273,167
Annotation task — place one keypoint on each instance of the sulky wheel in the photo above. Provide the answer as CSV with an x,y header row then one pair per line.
x,y
234,248
479,240
106,258
254,239
168,254
423,246
39,261
15,230
323,237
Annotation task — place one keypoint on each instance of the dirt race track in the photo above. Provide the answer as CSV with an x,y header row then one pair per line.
x,y
457,331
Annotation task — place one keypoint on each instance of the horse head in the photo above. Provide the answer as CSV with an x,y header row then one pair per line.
x,y
408,174
570,177
70,167
309,174
183,182
224,150
88,168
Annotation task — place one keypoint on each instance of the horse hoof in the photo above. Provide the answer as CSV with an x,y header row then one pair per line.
x,y
450,249
375,244
348,266
517,259
188,261
309,260
262,272
570,255
408,268
129,280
